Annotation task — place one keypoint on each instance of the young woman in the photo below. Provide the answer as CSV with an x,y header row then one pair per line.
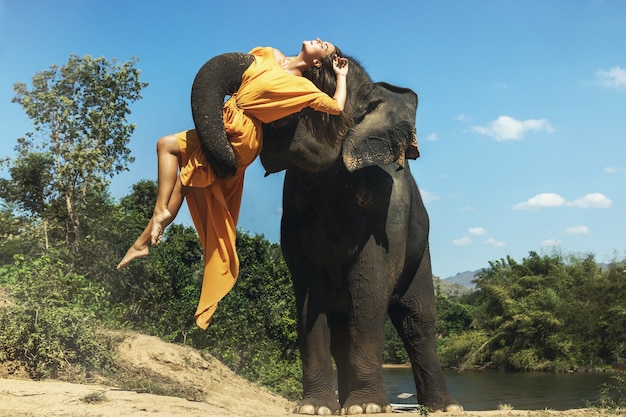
x,y
273,87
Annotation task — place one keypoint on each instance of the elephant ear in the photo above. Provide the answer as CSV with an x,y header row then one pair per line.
x,y
385,132
219,77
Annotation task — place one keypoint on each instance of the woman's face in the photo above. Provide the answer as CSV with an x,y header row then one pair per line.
x,y
317,48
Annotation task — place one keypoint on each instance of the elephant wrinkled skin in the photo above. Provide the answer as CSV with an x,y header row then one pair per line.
x,y
354,234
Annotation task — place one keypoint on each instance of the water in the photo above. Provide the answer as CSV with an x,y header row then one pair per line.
x,y
483,390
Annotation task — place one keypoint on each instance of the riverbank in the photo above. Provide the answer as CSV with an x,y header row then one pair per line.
x,y
26,398
151,366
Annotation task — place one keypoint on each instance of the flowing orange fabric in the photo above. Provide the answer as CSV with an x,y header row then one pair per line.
x,y
267,93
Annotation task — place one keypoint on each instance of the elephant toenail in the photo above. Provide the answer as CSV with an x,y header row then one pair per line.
x,y
324,411
306,409
354,409
372,408
453,408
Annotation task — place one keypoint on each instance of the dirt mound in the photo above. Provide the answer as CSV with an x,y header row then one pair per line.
x,y
205,378
209,388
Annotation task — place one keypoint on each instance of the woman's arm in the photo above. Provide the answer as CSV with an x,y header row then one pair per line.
x,y
340,65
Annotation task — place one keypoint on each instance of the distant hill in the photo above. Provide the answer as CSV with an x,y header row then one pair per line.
x,y
463,278
458,284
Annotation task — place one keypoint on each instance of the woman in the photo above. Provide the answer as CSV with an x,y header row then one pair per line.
x,y
273,87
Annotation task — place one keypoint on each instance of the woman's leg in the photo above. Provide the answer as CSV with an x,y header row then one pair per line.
x,y
141,246
168,153
170,196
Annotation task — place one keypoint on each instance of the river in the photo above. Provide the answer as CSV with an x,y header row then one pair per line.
x,y
486,390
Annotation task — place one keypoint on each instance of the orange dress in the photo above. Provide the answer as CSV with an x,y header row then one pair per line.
x,y
267,93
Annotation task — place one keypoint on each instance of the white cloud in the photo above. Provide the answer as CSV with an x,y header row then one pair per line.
x,y
508,128
463,241
494,243
614,77
432,137
593,200
549,200
501,86
541,201
551,242
463,118
577,230
477,231
612,170
428,196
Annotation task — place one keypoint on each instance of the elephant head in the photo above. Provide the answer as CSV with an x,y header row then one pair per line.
x,y
383,131
218,78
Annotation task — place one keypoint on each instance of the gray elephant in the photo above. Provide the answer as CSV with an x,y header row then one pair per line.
x,y
354,234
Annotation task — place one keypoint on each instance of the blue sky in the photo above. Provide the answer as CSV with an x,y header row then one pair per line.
x,y
521,118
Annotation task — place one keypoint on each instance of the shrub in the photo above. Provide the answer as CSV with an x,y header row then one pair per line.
x,y
51,342
52,324
464,349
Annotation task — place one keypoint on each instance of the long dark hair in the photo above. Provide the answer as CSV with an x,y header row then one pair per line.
x,y
326,127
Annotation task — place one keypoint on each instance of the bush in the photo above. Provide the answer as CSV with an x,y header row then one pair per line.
x,y
52,342
394,352
464,349
613,395
52,324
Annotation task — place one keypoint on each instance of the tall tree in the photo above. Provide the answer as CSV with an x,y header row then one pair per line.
x,y
30,189
79,113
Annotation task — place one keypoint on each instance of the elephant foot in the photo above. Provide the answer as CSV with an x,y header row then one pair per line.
x,y
369,408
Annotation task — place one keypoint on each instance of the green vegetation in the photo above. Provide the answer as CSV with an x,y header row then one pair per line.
x,y
613,395
61,235
545,313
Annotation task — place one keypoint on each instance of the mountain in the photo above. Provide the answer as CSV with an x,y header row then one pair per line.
x,y
463,278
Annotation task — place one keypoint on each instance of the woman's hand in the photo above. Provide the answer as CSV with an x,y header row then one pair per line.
x,y
340,66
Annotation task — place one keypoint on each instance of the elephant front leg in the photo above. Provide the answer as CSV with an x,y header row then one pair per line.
x,y
317,373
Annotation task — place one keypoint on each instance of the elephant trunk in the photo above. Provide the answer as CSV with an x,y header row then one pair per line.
x,y
218,78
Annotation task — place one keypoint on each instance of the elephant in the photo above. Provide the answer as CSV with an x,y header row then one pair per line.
x,y
354,235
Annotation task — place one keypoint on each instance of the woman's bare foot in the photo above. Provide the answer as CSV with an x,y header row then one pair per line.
x,y
132,254
158,219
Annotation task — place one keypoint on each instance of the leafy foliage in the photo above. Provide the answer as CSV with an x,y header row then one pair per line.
x,y
81,110
50,330
394,352
548,312
613,394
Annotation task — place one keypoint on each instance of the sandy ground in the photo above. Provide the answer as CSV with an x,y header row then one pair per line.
x,y
211,390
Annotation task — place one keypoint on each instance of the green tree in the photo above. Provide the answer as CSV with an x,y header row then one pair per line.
x,y
141,199
79,111
547,312
14,233
394,351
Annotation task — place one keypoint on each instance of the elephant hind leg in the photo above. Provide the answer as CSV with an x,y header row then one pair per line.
x,y
413,316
